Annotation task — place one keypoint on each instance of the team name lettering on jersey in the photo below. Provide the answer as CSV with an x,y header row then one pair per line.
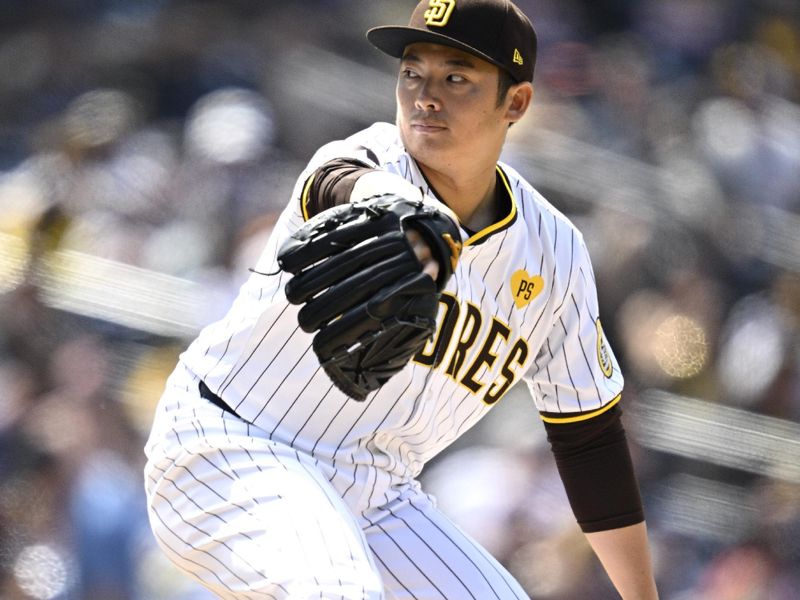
x,y
457,338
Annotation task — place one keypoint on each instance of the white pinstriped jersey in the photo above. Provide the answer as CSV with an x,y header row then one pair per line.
x,y
521,305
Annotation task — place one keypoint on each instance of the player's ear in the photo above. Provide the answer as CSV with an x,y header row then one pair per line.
x,y
520,96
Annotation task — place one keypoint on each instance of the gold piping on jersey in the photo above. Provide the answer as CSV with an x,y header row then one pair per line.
x,y
582,416
304,197
455,249
502,223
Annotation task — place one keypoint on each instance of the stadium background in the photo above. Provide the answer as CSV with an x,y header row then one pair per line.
x,y
146,147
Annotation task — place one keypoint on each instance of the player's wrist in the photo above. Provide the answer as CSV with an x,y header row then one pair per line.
x,y
377,182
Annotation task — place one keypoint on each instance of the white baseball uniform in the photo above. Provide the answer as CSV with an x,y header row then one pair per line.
x,y
313,495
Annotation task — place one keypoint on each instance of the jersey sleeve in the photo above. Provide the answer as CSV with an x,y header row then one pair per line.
x,y
575,375
341,163
330,175
331,185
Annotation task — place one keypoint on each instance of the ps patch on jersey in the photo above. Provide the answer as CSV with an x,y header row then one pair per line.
x,y
525,287
603,354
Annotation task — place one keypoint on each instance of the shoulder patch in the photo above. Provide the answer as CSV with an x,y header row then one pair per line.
x,y
603,354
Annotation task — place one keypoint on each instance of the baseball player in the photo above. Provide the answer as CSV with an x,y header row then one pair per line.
x,y
285,451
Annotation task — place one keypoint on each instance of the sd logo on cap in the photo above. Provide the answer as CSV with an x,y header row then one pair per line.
x,y
439,12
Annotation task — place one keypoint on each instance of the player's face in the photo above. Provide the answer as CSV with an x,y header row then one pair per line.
x,y
447,110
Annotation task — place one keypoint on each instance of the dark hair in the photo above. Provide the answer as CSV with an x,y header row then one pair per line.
x,y
504,83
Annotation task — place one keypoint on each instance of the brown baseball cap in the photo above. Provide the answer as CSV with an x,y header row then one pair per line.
x,y
494,30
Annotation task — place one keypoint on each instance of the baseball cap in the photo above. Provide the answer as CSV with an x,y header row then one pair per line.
x,y
494,30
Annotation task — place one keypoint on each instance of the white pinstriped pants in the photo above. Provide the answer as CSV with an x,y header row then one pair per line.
x,y
251,518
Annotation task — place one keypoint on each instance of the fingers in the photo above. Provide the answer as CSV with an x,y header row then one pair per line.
x,y
423,252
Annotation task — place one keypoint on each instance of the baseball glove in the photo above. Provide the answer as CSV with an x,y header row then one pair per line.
x,y
362,287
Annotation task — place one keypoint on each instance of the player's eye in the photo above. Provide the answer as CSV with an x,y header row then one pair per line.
x,y
456,78
409,74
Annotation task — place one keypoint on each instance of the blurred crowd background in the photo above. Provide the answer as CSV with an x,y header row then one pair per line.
x,y
146,147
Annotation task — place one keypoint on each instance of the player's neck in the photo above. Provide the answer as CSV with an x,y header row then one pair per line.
x,y
471,197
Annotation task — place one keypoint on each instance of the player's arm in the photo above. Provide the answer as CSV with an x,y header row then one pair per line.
x,y
331,185
342,180
625,554
594,463
589,444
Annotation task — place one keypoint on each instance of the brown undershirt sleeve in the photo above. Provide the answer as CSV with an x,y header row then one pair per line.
x,y
331,184
595,466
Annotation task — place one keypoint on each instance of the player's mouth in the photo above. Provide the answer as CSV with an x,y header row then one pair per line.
x,y
427,127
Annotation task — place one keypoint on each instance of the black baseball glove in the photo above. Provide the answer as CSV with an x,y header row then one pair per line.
x,y
362,286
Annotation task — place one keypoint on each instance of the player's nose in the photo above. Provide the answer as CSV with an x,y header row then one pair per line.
x,y
427,99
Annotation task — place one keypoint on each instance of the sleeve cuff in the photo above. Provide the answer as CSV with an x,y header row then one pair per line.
x,y
612,522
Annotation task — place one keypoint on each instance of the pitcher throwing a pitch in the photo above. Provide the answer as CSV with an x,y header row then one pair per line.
x,y
411,280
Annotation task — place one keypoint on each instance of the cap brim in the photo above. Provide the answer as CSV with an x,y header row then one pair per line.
x,y
393,41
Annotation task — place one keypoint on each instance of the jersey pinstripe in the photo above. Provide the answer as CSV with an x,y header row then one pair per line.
x,y
521,305
311,494
251,518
